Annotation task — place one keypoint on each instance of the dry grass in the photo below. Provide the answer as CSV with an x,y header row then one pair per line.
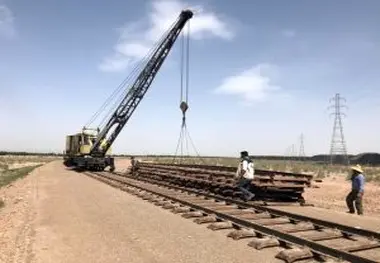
x,y
14,167
8,176
27,158
9,162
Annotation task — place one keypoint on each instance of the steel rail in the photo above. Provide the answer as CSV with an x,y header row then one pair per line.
x,y
297,217
273,190
317,248
229,169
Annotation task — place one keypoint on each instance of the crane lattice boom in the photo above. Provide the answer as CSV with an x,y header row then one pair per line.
x,y
134,96
90,151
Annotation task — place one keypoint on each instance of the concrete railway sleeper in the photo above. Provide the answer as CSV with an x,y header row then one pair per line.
x,y
300,239
317,223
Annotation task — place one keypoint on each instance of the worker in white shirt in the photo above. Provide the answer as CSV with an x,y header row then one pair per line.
x,y
244,175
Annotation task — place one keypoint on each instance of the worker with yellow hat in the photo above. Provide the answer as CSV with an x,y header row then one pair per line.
x,y
357,191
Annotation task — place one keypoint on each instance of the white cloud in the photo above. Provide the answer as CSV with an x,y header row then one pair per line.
x,y
290,33
203,24
250,85
137,38
6,22
116,63
134,50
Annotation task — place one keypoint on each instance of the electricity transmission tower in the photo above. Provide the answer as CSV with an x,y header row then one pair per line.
x,y
301,152
338,147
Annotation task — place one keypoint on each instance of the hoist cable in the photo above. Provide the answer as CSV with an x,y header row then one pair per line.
x,y
104,105
187,62
138,69
187,146
195,149
184,137
193,145
113,95
120,98
182,65
184,69
178,144
124,82
133,74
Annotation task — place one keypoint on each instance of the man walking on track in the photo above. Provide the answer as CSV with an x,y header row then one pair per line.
x,y
245,174
357,191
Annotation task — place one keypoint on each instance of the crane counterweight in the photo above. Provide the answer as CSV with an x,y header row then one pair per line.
x,y
92,151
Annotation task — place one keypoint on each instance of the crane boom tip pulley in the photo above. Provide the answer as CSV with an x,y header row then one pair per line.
x,y
187,13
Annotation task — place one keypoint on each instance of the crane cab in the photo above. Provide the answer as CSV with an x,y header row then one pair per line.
x,y
78,148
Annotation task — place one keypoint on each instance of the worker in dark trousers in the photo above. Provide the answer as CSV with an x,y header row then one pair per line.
x,y
357,191
244,175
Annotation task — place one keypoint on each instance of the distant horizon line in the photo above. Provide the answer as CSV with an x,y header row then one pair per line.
x,y
173,155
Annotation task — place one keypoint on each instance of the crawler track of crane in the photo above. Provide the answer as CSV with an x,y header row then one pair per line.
x,y
302,238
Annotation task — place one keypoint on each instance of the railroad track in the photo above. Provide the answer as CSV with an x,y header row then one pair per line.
x,y
301,238
267,185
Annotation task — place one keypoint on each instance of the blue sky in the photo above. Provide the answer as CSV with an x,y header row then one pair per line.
x,y
261,73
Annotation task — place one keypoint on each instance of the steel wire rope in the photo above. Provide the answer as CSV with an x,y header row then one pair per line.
x,y
195,149
113,95
187,146
123,84
184,136
178,144
123,94
108,100
180,139
187,62
182,65
133,74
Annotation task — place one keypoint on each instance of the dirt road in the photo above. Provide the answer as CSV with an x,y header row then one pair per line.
x,y
56,215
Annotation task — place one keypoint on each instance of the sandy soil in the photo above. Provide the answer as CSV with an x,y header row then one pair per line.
x,y
365,222
122,164
17,218
56,215
332,193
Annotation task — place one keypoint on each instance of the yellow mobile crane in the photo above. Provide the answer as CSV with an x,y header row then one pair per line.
x,y
91,148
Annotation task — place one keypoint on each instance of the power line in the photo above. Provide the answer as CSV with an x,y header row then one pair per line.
x,y
296,151
338,149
